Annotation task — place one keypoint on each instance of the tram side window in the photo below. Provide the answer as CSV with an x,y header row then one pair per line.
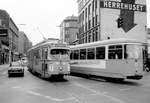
x,y
76,55
82,54
115,52
71,55
44,53
37,54
91,53
100,53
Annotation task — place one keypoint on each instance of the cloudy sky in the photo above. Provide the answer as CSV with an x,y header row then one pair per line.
x,y
42,17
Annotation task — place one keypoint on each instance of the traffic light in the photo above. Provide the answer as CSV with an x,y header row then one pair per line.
x,y
120,22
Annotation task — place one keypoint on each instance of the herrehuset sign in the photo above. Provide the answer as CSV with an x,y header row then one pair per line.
x,y
122,5
127,9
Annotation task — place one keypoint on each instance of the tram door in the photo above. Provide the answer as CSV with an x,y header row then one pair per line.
x,y
44,59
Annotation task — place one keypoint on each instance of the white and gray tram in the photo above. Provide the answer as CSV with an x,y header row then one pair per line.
x,y
116,59
49,59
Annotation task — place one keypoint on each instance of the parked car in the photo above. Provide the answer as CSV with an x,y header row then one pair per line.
x,y
15,69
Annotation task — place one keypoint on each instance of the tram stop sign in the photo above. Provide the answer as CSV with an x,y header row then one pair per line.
x,y
3,32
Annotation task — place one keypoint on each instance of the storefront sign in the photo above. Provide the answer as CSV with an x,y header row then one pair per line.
x,y
121,5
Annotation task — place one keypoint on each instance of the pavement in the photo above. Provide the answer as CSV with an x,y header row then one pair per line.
x,y
32,89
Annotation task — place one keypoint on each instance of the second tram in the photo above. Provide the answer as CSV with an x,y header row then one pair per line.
x,y
49,59
112,59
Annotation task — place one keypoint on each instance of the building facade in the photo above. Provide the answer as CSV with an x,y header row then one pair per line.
x,y
108,19
148,33
23,43
8,38
69,29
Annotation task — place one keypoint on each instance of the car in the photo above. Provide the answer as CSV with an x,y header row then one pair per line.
x,y
15,69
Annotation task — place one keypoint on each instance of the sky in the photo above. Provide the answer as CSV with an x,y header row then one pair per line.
x,y
43,17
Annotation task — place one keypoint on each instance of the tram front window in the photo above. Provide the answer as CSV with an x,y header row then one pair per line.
x,y
59,52
132,51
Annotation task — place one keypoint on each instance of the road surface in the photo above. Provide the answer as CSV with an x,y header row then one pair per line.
x,y
32,89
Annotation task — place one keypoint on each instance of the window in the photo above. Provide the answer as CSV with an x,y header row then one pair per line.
x,y
91,53
86,13
44,53
96,19
95,4
89,9
76,55
82,54
93,22
115,52
89,24
37,54
100,53
132,51
59,52
71,55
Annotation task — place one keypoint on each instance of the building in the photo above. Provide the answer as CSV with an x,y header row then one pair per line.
x,y
23,43
148,33
69,29
107,19
8,38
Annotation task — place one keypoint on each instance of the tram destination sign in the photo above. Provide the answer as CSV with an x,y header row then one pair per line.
x,y
122,5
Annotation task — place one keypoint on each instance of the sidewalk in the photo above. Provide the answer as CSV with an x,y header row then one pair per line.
x,y
7,65
4,65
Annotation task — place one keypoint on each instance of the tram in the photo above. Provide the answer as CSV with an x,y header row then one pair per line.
x,y
113,59
49,59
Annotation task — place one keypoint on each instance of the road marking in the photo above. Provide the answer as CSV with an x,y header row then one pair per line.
x,y
34,93
124,89
44,96
100,93
17,87
49,97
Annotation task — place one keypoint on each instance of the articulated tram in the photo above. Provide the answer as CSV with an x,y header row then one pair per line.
x,y
49,59
115,59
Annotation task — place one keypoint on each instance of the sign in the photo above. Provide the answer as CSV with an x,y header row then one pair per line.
x,y
128,16
127,9
60,45
3,32
122,5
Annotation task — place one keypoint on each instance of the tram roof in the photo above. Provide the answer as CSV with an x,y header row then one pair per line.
x,y
110,41
44,44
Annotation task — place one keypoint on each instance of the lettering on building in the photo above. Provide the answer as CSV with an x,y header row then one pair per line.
x,y
121,5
